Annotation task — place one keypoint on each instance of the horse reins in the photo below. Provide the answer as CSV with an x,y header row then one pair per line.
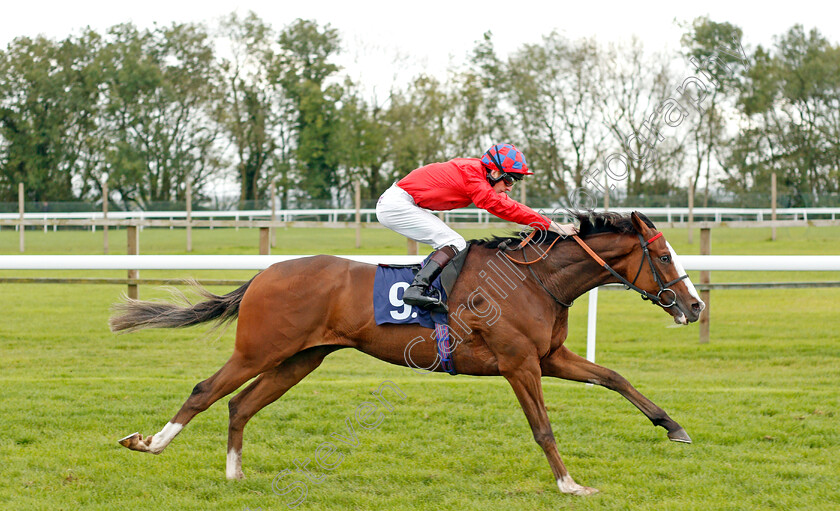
x,y
522,246
655,298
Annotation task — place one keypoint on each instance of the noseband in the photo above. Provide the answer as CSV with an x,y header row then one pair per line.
x,y
655,298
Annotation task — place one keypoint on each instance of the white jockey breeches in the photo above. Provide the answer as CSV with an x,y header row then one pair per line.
x,y
397,211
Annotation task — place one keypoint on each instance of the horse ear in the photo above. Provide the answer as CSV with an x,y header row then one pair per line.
x,y
640,226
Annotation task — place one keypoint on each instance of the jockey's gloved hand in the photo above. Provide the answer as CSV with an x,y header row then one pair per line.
x,y
563,229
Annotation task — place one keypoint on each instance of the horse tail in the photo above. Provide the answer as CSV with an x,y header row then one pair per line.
x,y
132,315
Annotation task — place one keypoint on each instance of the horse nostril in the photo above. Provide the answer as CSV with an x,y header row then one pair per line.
x,y
698,307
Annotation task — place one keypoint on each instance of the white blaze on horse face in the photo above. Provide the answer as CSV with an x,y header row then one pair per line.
x,y
162,439
681,271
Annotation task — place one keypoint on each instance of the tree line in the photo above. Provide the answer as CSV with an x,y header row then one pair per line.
x,y
147,109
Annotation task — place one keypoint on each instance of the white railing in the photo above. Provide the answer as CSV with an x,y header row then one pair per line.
x,y
259,262
171,262
669,214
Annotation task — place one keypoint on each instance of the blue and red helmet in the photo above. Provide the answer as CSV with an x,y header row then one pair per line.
x,y
506,159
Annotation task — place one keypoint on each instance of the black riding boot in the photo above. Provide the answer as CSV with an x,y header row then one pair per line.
x,y
416,293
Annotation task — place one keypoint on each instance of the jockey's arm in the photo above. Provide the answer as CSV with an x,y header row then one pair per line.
x,y
502,206
506,208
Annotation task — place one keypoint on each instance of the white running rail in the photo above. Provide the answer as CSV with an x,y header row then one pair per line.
x,y
260,262
669,214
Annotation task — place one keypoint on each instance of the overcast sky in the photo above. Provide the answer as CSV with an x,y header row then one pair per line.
x,y
432,34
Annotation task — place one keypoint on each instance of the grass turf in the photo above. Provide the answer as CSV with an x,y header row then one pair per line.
x,y
760,401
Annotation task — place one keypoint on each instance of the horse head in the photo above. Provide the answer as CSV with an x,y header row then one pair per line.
x,y
661,274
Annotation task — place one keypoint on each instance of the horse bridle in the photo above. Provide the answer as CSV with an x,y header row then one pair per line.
x,y
655,298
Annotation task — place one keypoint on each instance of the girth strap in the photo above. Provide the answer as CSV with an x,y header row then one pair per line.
x,y
444,348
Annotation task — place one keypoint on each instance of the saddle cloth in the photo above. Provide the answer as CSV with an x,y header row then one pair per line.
x,y
388,287
390,283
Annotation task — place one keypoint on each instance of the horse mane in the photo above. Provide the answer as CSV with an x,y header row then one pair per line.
x,y
591,223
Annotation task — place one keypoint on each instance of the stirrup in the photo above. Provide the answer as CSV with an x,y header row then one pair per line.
x,y
428,302
438,305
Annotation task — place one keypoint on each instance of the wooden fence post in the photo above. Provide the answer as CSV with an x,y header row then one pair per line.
x,y
105,247
606,193
265,241
273,212
358,214
705,278
133,248
189,214
690,214
20,208
412,247
773,205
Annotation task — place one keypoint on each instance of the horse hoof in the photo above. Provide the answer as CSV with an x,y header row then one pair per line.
x,y
135,442
585,491
568,485
679,436
237,476
129,440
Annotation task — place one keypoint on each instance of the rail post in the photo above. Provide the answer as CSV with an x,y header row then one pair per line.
x,y
273,211
189,214
690,215
773,205
105,216
265,241
358,197
606,194
705,278
133,248
20,208
412,247
592,323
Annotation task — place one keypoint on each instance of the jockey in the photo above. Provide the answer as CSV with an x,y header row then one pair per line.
x,y
485,182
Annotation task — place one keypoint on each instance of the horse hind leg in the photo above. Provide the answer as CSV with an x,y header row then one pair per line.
x,y
236,371
266,389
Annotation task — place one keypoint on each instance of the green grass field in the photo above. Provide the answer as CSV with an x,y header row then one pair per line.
x,y
761,401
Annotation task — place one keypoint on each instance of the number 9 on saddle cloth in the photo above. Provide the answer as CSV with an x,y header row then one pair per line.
x,y
391,282
388,307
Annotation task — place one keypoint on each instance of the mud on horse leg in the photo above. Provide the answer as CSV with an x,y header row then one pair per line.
x,y
570,366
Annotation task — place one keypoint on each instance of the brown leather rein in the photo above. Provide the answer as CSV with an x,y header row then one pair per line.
x,y
655,298
522,246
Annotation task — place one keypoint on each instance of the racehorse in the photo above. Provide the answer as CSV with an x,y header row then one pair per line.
x,y
293,314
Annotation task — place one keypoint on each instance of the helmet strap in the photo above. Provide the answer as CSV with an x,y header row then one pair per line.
x,y
494,157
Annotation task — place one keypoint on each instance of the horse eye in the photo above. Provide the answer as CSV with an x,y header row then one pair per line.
x,y
665,259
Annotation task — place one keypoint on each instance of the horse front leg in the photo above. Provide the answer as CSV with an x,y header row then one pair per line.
x,y
564,364
525,381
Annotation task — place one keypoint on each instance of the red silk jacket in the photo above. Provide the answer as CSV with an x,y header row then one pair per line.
x,y
461,182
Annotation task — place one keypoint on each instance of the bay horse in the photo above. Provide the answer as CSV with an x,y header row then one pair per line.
x,y
293,314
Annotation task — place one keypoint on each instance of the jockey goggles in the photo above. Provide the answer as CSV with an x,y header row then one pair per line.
x,y
508,178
